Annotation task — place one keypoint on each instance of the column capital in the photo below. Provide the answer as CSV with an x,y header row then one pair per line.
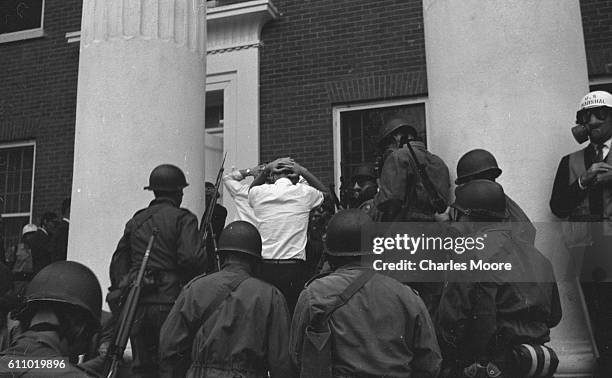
x,y
180,21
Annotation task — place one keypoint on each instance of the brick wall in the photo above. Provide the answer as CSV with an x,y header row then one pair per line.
x,y
321,53
597,26
38,81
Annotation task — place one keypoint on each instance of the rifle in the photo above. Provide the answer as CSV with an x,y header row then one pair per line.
x,y
126,319
332,191
437,202
207,222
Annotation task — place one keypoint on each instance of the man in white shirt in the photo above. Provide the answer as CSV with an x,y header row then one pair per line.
x,y
238,187
283,208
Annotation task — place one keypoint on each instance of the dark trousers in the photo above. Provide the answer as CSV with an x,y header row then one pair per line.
x,y
145,339
289,278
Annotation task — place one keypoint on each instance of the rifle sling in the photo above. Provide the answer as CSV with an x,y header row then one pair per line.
x,y
230,287
429,186
316,350
347,294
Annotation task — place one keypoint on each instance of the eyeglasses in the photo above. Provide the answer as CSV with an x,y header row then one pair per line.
x,y
584,116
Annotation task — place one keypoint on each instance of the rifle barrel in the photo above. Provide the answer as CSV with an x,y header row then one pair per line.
x,y
127,315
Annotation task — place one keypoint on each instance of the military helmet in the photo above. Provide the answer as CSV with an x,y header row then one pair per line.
x,y
476,162
365,171
481,198
30,227
167,178
343,236
67,282
394,124
240,236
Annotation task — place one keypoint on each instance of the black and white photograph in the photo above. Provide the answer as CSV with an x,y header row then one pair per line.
x,y
306,188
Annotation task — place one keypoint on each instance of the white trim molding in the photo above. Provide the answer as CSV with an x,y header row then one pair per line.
x,y
19,35
339,109
238,26
230,27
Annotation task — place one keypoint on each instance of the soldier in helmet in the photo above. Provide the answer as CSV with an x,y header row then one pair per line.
x,y
402,195
481,164
364,188
177,256
59,316
229,323
582,195
489,322
354,322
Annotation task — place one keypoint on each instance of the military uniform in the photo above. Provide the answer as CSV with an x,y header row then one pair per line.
x,y
176,257
62,306
383,330
369,207
46,345
400,180
245,336
483,320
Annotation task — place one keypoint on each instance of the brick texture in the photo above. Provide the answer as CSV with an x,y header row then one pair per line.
x,y
38,81
597,26
318,54
322,53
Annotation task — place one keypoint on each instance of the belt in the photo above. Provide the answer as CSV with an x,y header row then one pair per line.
x,y
283,261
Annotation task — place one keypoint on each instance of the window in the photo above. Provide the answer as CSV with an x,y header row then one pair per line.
x,y
601,85
358,128
16,184
214,112
213,144
21,19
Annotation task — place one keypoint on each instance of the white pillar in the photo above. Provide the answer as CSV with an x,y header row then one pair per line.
x,y
507,76
140,103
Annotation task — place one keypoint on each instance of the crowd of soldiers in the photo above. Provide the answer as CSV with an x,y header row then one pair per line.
x,y
284,291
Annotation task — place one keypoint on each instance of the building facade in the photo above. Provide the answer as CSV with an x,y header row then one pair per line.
x,y
310,79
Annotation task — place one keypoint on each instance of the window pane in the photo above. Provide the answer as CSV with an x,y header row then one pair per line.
x,y
18,15
16,178
214,109
360,130
12,230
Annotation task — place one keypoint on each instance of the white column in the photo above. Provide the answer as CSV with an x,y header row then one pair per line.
x,y
507,76
140,103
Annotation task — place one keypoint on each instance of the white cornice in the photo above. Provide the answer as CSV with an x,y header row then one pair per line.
x,y
237,26
230,27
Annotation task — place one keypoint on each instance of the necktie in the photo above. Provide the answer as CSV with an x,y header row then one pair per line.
x,y
599,151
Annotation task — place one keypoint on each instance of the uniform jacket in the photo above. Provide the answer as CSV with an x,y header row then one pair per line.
x,y
39,344
524,229
400,179
246,336
218,220
42,250
568,200
383,330
60,240
481,320
178,252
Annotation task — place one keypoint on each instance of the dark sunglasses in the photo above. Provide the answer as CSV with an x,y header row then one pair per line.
x,y
584,116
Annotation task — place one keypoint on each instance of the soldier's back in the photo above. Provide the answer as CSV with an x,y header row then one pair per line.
x,y
387,320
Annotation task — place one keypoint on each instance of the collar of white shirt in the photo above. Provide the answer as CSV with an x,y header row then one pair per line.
x,y
606,148
283,181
